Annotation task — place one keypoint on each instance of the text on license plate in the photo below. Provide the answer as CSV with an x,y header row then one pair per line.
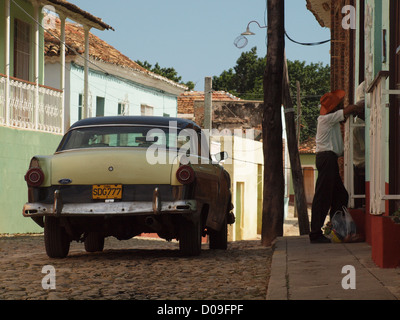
x,y
107,191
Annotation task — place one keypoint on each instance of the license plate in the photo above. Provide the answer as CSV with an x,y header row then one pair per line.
x,y
107,191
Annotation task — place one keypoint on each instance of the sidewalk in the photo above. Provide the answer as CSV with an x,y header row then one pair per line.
x,y
304,271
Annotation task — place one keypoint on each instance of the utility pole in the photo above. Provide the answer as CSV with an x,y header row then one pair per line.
x,y
298,111
273,206
208,103
208,113
298,125
297,172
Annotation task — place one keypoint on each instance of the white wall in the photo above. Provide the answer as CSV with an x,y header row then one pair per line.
x,y
245,156
113,89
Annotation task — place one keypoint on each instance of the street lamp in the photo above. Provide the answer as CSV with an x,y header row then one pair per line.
x,y
248,32
241,41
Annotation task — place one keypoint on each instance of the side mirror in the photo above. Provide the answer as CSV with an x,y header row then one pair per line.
x,y
221,156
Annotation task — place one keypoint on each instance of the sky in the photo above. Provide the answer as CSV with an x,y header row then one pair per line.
x,y
196,38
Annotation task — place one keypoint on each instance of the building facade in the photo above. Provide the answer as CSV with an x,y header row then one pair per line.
x,y
369,34
116,84
31,113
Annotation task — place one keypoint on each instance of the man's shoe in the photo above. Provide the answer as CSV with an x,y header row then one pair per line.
x,y
320,239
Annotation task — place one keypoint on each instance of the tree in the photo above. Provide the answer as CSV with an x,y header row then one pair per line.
x,y
315,82
245,80
273,207
169,73
314,79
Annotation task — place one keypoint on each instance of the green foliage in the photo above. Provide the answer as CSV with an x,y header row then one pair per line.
x,y
190,85
169,73
245,80
314,83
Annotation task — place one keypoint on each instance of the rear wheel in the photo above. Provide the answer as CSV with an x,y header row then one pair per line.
x,y
56,239
190,238
219,239
94,242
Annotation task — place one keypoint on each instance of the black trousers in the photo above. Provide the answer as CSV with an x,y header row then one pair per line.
x,y
330,193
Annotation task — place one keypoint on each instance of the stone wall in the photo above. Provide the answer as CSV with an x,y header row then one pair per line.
x,y
232,115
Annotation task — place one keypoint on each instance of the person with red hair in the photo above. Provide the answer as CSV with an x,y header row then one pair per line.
x,y
330,193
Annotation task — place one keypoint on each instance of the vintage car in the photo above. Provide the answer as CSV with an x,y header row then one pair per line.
x,y
124,176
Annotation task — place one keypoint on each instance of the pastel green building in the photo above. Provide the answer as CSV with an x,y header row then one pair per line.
x,y
16,150
37,106
31,114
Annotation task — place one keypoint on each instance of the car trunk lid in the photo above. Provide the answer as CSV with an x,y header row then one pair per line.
x,y
109,166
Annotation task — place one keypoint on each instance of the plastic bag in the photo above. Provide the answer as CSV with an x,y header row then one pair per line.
x,y
342,228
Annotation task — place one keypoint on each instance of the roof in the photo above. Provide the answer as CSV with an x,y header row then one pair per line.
x,y
186,99
77,14
101,51
132,120
308,147
321,10
75,40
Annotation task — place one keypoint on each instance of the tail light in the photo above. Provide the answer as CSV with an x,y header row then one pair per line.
x,y
34,177
185,174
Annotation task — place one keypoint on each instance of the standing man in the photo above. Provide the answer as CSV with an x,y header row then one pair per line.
x,y
330,193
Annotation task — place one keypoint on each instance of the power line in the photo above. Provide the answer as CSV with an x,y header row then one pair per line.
x,y
307,43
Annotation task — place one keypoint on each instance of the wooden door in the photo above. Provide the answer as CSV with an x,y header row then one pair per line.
x,y
309,185
239,213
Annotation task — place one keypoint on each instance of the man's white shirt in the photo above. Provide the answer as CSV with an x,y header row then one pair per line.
x,y
329,135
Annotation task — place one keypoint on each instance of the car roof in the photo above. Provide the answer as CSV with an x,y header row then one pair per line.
x,y
132,120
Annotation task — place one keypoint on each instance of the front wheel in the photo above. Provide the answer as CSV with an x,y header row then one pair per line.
x,y
190,238
56,239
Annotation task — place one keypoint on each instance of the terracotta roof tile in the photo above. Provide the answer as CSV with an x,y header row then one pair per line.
x,y
186,99
308,146
99,50
74,38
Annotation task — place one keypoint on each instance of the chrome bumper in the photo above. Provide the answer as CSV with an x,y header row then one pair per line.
x,y
58,208
108,208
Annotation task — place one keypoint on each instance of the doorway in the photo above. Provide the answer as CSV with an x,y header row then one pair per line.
x,y
239,210
309,183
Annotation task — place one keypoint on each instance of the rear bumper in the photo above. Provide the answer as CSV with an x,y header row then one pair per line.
x,y
108,208
126,208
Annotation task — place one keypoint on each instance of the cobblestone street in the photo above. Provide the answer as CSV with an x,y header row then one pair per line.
x,y
137,269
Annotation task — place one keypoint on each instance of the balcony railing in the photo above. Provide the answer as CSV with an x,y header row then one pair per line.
x,y
30,106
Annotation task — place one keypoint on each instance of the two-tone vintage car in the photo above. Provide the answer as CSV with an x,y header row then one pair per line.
x,y
124,176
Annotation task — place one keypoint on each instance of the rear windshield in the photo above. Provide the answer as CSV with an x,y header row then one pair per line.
x,y
122,136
